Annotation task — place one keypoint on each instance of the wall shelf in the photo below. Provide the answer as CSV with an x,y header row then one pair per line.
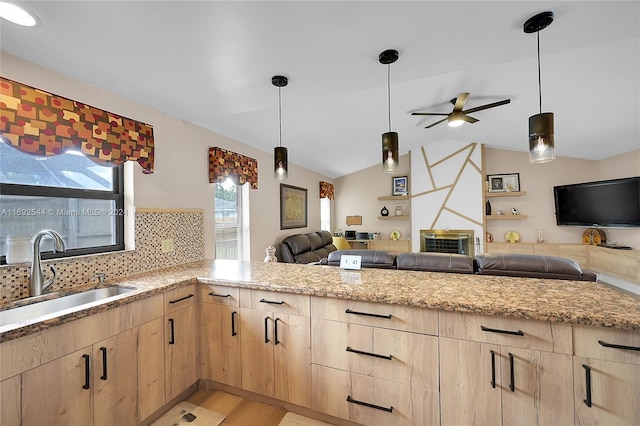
x,y
394,198
505,194
506,216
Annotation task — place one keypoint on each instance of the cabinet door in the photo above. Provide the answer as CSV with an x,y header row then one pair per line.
x,y
59,392
292,359
115,380
536,387
150,367
612,389
181,348
220,355
10,401
469,383
256,348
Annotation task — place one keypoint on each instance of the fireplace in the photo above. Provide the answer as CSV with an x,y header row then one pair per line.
x,y
447,241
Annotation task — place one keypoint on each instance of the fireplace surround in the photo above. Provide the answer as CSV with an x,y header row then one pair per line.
x,y
459,241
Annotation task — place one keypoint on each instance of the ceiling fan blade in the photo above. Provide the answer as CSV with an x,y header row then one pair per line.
x,y
487,106
469,119
460,101
437,122
429,113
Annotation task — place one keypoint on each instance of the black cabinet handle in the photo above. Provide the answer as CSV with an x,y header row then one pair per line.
x,y
612,345
366,404
104,363
219,295
87,371
355,351
271,301
512,385
233,323
497,330
181,299
275,330
172,340
493,369
266,331
349,311
587,379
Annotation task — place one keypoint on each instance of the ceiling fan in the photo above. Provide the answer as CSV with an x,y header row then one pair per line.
x,y
458,115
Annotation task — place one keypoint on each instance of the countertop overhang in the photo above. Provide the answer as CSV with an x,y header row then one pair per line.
x,y
577,302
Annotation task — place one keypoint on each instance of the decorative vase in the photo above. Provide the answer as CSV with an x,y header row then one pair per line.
x,y
488,208
384,212
399,211
271,254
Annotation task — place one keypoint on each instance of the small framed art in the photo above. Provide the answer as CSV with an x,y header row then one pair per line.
x,y
504,182
400,185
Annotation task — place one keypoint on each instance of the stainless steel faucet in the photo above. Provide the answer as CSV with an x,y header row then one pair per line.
x,y
37,285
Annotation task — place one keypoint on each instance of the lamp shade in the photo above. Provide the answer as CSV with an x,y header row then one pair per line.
x,y
541,143
390,158
280,163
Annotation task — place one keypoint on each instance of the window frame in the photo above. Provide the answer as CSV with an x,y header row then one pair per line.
x,y
116,194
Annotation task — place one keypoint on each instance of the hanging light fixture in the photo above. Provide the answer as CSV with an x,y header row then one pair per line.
x,y
280,156
541,143
389,139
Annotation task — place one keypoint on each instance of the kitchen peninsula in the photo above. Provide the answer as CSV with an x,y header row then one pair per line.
x,y
530,341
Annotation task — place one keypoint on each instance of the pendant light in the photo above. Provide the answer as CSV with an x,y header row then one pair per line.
x,y
280,156
541,143
389,139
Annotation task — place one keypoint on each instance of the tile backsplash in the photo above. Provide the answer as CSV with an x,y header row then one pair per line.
x,y
185,227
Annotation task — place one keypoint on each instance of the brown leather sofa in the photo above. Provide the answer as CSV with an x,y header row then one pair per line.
x,y
511,264
305,248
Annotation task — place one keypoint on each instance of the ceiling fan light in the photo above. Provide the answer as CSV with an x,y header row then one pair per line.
x,y
390,156
541,138
454,122
280,163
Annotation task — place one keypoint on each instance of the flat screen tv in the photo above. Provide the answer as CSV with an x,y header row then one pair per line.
x,y
613,203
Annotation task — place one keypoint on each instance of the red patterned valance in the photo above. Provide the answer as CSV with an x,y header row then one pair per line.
x,y
225,164
40,123
326,190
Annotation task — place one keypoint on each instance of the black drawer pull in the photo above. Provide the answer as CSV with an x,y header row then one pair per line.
x,y
587,379
266,332
613,345
493,369
355,351
181,299
271,301
219,295
233,323
512,385
497,330
275,331
172,339
87,371
104,363
366,404
349,311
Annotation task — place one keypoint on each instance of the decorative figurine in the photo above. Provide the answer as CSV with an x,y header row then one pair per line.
x,y
514,211
399,211
384,212
500,213
271,254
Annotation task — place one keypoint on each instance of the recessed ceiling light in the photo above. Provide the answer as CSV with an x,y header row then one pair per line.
x,y
17,15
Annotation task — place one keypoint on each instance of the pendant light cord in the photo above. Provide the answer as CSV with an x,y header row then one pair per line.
x,y
280,115
389,93
539,79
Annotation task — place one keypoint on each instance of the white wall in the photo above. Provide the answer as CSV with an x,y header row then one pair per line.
x,y
180,178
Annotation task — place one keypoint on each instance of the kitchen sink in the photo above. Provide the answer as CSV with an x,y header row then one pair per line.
x,y
62,305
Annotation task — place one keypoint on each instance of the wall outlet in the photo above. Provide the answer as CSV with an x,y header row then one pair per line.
x,y
167,245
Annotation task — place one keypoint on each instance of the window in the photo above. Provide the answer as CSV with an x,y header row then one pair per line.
x,y
325,214
70,194
230,213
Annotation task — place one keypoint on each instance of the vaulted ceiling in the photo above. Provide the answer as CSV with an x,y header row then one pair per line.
x,y
210,63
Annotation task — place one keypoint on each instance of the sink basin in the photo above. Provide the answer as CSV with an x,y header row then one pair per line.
x,y
61,305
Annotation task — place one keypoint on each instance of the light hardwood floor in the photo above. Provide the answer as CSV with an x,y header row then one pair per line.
x,y
239,411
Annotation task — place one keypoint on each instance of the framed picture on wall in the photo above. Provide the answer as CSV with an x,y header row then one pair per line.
x,y
504,182
293,207
400,185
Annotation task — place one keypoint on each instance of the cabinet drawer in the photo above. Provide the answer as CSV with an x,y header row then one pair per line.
x,y
179,298
220,295
607,343
369,401
273,301
395,317
530,334
397,356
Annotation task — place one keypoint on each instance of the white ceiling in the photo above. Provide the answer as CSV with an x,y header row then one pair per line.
x,y
210,63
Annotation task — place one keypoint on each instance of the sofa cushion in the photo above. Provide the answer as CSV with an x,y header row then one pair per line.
x,y
530,265
326,236
369,258
435,262
315,240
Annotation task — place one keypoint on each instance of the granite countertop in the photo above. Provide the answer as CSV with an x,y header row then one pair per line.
x,y
578,302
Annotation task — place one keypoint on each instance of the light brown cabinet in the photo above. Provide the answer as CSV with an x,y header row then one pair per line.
x,y
504,371
10,401
150,367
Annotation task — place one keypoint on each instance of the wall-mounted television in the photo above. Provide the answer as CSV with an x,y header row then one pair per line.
x,y
612,203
